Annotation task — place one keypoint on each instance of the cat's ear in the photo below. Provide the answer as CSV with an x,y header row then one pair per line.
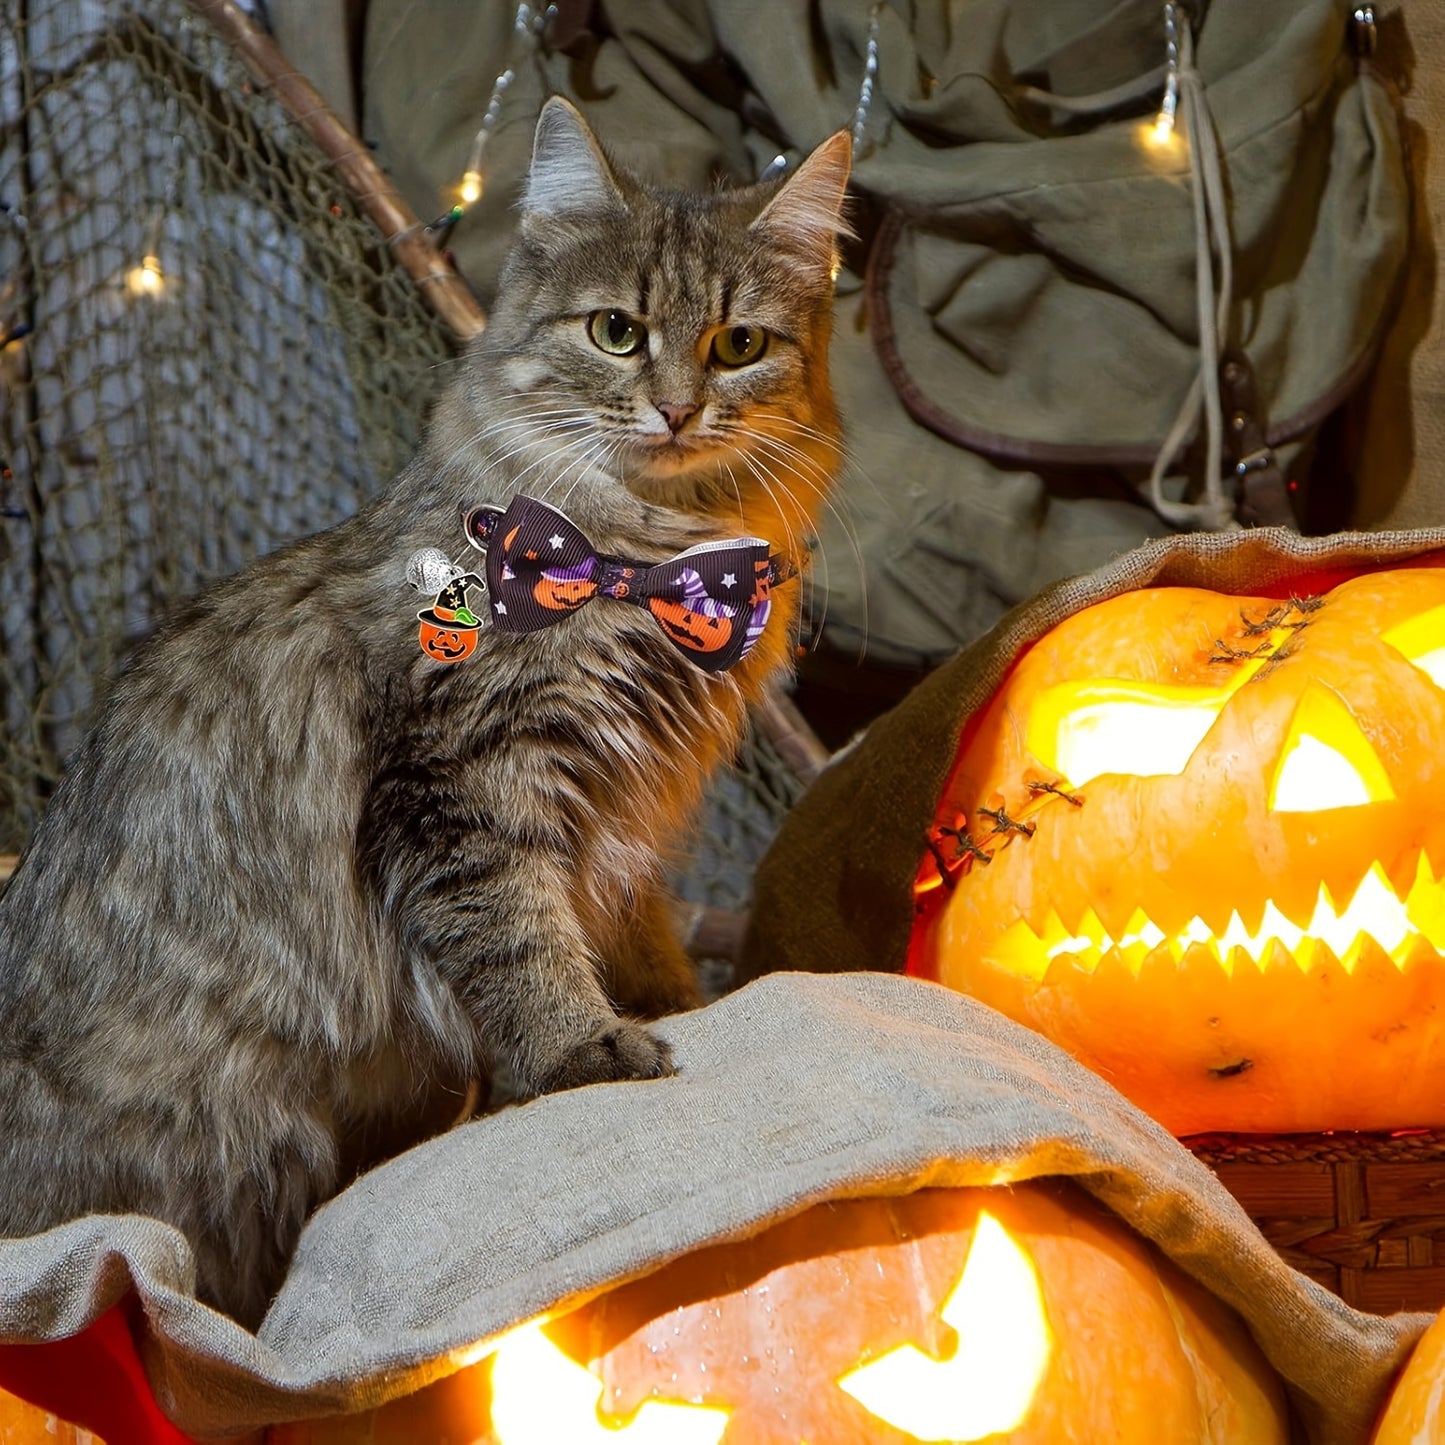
x,y
569,174
806,216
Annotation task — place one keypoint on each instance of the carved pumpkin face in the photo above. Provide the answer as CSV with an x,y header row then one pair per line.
x,y
447,641
1019,1314
565,590
697,630
1195,839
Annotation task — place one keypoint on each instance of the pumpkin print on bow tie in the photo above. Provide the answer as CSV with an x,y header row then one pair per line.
x,y
1197,840
1019,1316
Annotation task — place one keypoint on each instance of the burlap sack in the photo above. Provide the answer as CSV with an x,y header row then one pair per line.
x,y
834,892
795,1090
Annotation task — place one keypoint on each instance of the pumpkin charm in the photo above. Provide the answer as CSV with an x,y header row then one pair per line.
x,y
1010,1314
446,639
1196,840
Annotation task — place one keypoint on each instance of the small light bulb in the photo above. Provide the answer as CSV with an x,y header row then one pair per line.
x,y
147,279
1162,138
470,189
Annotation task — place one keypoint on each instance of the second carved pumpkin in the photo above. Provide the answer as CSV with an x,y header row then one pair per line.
x,y
1027,1315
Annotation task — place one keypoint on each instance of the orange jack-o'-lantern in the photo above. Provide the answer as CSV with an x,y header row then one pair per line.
x,y
1023,1315
701,631
25,1424
1196,839
559,592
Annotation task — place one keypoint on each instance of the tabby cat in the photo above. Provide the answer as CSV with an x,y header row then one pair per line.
x,y
300,873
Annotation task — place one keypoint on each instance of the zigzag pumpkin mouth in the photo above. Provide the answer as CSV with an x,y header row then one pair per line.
x,y
1376,914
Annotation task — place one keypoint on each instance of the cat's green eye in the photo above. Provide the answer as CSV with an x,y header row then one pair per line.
x,y
739,345
616,333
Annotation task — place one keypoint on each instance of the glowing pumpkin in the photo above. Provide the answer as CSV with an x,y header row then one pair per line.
x,y
1023,1314
85,1389
1415,1414
1197,840
24,1424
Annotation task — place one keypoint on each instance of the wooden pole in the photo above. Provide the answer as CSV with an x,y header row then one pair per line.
x,y
777,716
445,291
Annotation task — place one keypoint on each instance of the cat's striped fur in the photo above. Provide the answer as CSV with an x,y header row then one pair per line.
x,y
301,878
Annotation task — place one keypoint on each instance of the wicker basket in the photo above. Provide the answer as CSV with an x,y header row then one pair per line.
x,y
1364,1214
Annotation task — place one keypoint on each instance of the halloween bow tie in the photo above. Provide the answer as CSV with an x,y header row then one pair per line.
x,y
712,601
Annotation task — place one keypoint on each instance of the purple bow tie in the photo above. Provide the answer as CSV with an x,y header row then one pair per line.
x,y
712,601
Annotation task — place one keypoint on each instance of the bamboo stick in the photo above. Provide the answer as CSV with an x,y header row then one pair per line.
x,y
778,718
444,290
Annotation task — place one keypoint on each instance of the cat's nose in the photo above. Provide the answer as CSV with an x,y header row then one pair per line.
x,y
675,413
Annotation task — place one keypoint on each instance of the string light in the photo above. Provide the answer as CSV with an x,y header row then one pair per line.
x,y
778,166
870,76
529,27
148,280
1159,134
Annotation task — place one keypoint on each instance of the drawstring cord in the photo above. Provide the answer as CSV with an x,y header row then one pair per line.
x,y
1214,512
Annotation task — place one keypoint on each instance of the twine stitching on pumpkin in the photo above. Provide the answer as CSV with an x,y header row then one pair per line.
x,y
1002,823
1039,788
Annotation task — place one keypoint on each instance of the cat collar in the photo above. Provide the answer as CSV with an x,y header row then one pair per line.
x,y
711,601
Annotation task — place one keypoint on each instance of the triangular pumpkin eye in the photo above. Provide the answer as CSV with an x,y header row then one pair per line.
x,y
1421,640
1326,762
1004,1342
1082,730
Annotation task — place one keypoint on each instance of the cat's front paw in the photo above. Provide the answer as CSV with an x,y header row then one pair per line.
x,y
619,1050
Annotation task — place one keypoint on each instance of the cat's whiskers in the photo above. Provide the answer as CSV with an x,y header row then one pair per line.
x,y
488,447
766,478
804,466
548,417
580,431
850,533
610,447
836,500
580,468
737,493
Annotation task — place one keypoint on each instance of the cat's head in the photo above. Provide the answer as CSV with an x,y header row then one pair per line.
x,y
679,340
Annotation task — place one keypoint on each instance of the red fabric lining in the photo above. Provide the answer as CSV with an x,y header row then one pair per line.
x,y
94,1379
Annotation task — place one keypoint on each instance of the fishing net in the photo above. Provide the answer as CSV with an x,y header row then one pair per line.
x,y
208,350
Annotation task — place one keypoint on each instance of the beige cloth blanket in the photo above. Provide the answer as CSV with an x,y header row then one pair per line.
x,y
795,1090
